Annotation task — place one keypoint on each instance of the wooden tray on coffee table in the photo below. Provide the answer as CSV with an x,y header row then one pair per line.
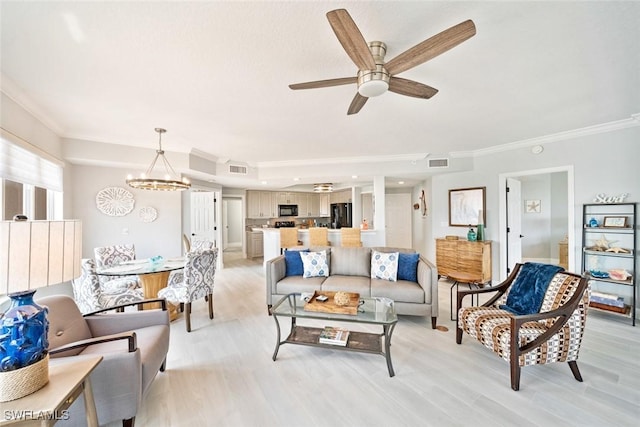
x,y
330,307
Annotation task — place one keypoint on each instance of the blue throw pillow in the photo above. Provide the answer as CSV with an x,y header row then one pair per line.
x,y
527,291
408,267
293,263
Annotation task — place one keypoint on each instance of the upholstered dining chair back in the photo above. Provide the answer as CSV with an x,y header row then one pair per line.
x,y
201,245
133,344
113,255
350,237
92,294
318,236
195,282
186,243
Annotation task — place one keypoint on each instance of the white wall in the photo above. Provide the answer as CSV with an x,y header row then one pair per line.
x,y
160,237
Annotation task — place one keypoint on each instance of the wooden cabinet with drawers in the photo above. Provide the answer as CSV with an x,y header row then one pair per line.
x,y
464,256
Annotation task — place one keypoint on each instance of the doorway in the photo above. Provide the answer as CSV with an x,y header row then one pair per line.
x,y
536,214
232,220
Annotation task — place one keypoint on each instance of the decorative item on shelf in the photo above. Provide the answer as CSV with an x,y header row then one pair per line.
x,y
114,201
593,223
471,235
170,182
364,225
603,198
35,254
619,274
341,298
618,250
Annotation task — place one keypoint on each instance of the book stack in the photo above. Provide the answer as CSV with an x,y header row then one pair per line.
x,y
334,336
606,301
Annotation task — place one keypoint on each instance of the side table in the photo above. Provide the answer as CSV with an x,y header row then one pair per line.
x,y
459,278
68,378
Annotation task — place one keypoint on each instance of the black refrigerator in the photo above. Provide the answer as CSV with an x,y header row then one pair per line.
x,y
340,215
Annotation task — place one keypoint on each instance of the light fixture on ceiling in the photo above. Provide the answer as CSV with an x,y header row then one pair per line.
x,y
374,82
171,180
323,188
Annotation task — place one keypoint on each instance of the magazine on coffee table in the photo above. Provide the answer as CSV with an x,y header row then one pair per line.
x,y
334,336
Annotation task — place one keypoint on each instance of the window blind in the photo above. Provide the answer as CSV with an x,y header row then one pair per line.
x,y
21,165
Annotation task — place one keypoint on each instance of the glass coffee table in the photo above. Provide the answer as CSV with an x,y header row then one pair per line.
x,y
370,311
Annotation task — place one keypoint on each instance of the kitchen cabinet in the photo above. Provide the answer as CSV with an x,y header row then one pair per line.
x,y
463,256
343,196
255,244
324,205
286,198
261,205
302,200
609,257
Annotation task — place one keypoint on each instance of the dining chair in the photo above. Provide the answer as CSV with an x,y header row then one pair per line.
x,y
186,243
350,237
92,294
197,282
107,256
318,236
201,245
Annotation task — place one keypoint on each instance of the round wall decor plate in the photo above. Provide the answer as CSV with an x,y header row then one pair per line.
x,y
148,214
114,201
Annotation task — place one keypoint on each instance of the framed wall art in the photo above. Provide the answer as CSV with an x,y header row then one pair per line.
x,y
532,206
615,221
466,205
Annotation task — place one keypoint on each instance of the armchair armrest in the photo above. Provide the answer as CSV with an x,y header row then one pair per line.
x,y
113,323
162,302
130,337
499,289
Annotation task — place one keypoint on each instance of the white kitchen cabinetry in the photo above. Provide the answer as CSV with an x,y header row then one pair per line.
x,y
260,205
343,196
286,198
255,246
302,200
324,207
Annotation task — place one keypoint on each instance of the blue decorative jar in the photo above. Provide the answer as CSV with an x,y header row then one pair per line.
x,y
471,235
593,222
23,332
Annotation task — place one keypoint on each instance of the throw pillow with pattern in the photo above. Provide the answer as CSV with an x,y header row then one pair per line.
x,y
384,266
315,264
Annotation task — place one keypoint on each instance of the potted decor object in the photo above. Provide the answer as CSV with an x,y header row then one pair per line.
x,y
24,359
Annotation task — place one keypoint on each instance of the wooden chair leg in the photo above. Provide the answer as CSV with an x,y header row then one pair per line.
x,y
187,316
434,322
458,335
269,309
182,307
129,422
574,369
210,300
164,365
515,375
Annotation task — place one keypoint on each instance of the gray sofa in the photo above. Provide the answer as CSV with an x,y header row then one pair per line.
x,y
350,271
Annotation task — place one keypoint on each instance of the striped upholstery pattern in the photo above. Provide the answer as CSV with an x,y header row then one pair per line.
x,y
491,326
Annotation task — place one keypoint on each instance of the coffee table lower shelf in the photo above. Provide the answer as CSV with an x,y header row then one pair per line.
x,y
362,342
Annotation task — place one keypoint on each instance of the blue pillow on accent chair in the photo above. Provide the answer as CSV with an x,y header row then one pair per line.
x,y
408,266
527,292
293,263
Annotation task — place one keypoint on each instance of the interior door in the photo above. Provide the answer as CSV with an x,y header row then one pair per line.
x,y
398,220
203,216
514,223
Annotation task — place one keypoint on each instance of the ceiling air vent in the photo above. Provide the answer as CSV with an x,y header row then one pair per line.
x,y
242,170
438,163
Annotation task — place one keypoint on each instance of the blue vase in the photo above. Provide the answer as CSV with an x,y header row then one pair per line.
x,y
593,222
23,332
471,235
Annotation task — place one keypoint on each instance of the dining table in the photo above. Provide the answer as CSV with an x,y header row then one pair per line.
x,y
153,274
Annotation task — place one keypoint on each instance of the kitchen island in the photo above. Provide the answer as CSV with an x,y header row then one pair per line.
x,y
271,239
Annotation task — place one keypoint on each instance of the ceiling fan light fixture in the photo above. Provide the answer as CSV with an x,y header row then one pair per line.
x,y
170,182
323,188
373,82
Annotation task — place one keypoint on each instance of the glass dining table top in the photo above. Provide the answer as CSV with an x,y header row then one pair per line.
x,y
142,266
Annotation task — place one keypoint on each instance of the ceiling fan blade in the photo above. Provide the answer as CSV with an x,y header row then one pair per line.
x,y
411,88
357,103
324,83
351,39
432,47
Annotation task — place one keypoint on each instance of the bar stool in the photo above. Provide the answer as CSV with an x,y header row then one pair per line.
x,y
288,238
350,237
318,236
463,278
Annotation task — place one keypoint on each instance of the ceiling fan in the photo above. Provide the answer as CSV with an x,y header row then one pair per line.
x,y
375,76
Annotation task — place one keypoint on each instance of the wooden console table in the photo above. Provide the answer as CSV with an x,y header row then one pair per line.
x,y
68,378
473,258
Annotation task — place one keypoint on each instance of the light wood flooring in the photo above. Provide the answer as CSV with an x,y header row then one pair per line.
x,y
222,374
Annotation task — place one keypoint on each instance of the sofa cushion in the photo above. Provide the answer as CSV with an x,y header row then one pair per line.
x,y
293,263
400,291
359,284
351,261
408,267
384,265
315,264
298,284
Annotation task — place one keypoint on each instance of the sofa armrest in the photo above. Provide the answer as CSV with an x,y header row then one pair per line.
x,y
130,337
275,270
428,280
113,323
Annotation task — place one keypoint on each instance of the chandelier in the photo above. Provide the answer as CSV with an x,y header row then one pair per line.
x,y
323,188
171,180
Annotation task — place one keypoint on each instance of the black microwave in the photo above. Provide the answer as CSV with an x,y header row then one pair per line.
x,y
287,210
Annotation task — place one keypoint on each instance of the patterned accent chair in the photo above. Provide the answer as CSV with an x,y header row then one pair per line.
x,y
91,294
553,334
177,276
197,282
107,256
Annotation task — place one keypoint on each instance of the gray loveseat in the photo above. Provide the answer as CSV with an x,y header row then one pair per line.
x,y
350,271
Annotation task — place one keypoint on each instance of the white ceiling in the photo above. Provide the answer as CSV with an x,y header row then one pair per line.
x,y
215,74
